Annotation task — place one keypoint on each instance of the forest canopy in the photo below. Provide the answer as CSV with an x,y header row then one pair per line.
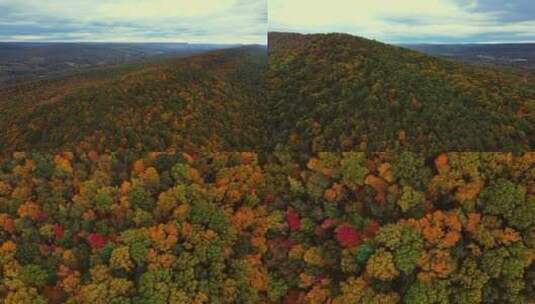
x,y
322,172
237,228
314,93
336,92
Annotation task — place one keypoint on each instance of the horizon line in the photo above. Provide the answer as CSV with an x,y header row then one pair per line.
x,y
465,43
131,42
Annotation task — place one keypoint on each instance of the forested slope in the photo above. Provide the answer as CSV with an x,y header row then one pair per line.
x,y
208,101
321,93
332,92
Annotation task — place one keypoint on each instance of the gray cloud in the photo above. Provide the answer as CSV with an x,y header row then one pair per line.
x,y
218,21
508,10
410,21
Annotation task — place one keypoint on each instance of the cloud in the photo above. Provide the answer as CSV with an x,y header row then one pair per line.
x,y
201,21
395,21
509,11
245,21
141,9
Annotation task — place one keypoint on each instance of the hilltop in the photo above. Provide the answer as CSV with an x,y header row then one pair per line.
x,y
207,101
332,92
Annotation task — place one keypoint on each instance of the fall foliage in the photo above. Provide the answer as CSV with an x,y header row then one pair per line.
x,y
134,192
244,228
337,92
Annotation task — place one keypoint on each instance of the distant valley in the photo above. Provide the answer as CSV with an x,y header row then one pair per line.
x,y
21,61
516,56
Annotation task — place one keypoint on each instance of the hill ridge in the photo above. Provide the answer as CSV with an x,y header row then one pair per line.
x,y
319,80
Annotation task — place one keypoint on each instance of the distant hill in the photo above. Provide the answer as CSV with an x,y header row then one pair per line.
x,y
205,101
22,61
520,56
331,92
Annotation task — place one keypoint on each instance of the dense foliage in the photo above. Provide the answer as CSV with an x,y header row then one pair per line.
x,y
211,101
113,222
322,93
338,92
233,228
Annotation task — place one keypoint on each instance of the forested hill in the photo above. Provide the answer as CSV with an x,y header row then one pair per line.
x,y
204,102
134,211
324,92
331,92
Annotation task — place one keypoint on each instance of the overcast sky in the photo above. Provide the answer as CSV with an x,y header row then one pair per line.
x,y
410,21
201,21
245,21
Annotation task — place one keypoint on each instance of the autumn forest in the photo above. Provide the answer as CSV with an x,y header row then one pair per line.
x,y
321,169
